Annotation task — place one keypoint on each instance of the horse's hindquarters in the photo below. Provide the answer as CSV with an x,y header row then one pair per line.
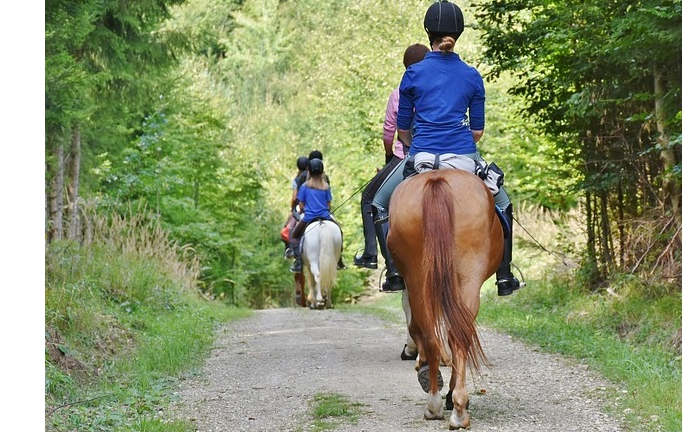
x,y
446,241
321,253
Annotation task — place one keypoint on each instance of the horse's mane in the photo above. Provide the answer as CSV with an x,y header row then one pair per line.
x,y
441,290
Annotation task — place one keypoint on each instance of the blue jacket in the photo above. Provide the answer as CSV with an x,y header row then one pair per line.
x,y
449,100
315,202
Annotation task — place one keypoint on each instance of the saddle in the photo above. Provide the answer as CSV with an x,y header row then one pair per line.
x,y
491,174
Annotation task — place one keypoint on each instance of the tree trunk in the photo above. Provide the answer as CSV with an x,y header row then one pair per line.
x,y
607,258
671,189
73,187
55,201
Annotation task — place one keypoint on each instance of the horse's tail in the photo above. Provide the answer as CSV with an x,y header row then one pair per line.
x,y
442,285
329,256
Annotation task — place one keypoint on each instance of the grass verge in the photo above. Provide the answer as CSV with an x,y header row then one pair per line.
x,y
329,410
120,327
631,339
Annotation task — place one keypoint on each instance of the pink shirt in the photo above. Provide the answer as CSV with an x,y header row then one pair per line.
x,y
389,127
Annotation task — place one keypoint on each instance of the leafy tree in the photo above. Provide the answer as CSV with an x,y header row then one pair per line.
x,y
604,78
103,66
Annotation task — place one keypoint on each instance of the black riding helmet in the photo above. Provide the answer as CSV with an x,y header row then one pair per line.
x,y
302,163
443,19
316,166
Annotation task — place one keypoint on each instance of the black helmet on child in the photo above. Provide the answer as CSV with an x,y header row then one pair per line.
x,y
443,18
316,166
302,163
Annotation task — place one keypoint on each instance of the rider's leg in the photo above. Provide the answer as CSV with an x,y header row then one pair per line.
x,y
298,231
505,280
394,281
288,253
368,258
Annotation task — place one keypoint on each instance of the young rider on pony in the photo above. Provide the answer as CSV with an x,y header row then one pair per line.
x,y
315,199
449,118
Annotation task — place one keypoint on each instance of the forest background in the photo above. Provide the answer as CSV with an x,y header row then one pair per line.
x,y
188,117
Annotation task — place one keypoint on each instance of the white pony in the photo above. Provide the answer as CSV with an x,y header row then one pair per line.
x,y
321,252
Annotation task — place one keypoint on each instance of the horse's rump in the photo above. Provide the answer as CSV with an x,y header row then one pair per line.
x,y
446,240
321,251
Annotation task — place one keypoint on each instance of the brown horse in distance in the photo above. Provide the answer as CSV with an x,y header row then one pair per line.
x,y
446,240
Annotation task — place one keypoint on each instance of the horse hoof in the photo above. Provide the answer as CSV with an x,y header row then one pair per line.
x,y
457,421
449,404
424,378
405,356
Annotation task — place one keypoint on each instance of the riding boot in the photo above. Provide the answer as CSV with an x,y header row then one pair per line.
x,y
393,280
505,280
369,257
297,266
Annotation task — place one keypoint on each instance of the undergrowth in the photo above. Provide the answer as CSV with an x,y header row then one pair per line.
x,y
629,330
123,320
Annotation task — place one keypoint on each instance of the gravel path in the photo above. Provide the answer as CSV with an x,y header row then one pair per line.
x,y
265,371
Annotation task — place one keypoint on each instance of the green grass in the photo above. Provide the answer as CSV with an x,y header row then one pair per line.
x,y
329,410
120,329
629,339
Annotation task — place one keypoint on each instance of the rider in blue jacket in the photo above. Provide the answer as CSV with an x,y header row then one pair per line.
x,y
449,118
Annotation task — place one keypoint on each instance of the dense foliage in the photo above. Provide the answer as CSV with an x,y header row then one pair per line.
x,y
171,133
198,110
605,79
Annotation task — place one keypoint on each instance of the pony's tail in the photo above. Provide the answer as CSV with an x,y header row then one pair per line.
x,y
442,286
329,257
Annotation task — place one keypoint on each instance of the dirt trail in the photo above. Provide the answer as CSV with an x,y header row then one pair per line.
x,y
265,371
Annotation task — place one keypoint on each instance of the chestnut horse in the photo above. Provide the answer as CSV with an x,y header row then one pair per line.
x,y
446,241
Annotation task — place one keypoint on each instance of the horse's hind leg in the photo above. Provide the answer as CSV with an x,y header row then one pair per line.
x,y
410,351
460,417
319,300
434,409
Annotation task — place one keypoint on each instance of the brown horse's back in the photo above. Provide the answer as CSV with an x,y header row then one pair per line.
x,y
477,230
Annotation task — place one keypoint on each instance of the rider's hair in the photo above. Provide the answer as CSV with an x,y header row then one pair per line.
x,y
414,53
447,44
317,181
316,178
